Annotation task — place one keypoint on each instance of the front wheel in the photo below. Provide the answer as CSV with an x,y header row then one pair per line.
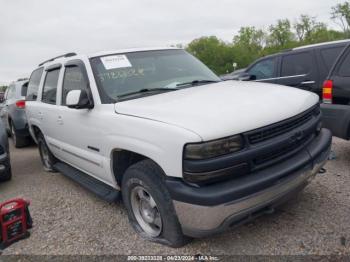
x,y
47,158
149,205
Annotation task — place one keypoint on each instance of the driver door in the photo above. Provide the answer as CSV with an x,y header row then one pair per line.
x,y
264,70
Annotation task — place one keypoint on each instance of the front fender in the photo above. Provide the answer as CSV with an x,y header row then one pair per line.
x,y
161,142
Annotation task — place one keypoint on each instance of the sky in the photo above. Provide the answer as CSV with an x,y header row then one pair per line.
x,y
35,30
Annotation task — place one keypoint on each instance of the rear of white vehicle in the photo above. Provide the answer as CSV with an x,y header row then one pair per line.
x,y
13,112
191,155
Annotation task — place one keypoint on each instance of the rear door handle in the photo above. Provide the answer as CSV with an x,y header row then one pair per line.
x,y
41,116
60,120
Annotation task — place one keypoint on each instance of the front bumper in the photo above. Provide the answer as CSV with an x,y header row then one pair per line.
x,y
210,209
337,119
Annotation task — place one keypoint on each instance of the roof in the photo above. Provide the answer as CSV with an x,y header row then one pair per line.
x,y
304,47
104,53
322,44
130,50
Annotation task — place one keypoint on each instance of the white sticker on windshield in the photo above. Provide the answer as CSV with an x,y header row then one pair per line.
x,y
115,61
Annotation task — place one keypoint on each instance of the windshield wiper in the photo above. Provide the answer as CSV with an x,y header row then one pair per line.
x,y
146,90
196,82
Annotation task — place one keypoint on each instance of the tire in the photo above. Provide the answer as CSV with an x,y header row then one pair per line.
x,y
17,140
47,158
7,175
148,177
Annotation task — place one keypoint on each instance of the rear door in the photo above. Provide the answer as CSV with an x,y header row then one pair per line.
x,y
47,112
298,69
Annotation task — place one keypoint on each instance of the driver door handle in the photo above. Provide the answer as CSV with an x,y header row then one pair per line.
x,y
308,82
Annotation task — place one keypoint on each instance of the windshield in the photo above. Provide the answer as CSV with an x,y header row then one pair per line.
x,y
118,75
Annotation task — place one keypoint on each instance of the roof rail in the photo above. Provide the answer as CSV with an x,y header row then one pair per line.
x,y
52,59
322,44
22,79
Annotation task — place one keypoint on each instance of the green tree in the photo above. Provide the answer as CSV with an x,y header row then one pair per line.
x,y
341,15
306,26
248,45
281,35
251,43
216,54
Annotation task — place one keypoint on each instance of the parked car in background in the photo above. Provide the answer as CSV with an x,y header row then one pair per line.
x,y
13,112
190,154
5,165
304,67
336,97
234,75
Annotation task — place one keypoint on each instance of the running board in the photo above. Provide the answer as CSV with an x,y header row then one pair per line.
x,y
101,189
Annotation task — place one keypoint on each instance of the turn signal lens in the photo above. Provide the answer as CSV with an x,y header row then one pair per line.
x,y
327,92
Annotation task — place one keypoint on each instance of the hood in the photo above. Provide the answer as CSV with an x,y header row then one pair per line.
x,y
221,109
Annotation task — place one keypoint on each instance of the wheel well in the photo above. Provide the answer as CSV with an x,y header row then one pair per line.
x,y
36,131
122,160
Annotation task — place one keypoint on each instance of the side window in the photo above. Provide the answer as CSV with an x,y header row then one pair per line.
x,y
33,85
50,87
73,80
329,55
24,89
11,92
296,64
344,69
264,69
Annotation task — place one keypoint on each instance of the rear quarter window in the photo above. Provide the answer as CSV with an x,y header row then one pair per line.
x,y
344,68
33,85
24,89
329,55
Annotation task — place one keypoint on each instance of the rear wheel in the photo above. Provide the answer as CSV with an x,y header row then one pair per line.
x,y
47,158
150,208
18,141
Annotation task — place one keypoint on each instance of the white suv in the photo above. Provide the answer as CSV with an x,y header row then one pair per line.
x,y
189,154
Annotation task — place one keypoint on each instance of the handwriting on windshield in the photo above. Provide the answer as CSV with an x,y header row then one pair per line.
x,y
118,74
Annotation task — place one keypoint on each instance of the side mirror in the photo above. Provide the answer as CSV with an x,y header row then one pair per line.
x,y
247,77
78,99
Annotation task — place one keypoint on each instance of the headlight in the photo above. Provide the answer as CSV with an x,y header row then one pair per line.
x,y
213,148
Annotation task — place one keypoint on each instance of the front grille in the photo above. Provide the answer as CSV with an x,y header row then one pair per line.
x,y
283,127
278,153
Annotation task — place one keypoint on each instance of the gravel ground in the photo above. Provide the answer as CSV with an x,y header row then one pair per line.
x,y
70,220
